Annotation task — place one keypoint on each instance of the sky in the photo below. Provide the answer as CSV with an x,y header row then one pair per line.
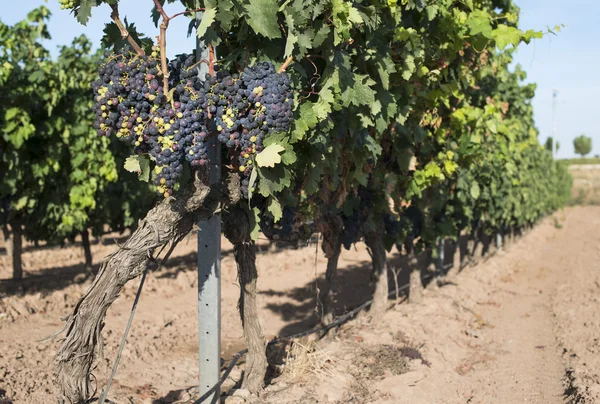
x,y
566,62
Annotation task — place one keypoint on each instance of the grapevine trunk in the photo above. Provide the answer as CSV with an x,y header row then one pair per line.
x,y
415,293
332,247
237,230
16,249
169,221
374,241
85,242
256,365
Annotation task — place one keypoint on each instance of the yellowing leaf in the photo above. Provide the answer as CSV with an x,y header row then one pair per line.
x,y
139,165
269,156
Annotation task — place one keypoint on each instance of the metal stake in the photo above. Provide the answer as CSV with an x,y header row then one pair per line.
x,y
209,269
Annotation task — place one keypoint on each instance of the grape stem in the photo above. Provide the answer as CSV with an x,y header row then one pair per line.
x,y
285,64
114,15
211,60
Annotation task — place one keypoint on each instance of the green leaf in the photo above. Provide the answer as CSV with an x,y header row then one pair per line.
x,y
273,180
251,183
432,12
262,17
475,190
361,93
275,208
292,38
139,164
254,217
207,19
307,120
84,12
479,23
269,156
316,170
409,67
505,35
492,126
322,107
320,36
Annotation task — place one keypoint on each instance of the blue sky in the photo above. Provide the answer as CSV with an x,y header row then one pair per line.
x,y
567,62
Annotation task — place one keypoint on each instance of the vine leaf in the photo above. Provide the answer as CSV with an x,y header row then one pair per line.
x,y
475,191
275,208
479,23
251,183
292,38
254,223
262,17
269,156
307,120
140,165
504,36
84,12
322,107
207,19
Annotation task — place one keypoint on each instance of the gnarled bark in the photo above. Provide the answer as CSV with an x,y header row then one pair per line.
x,y
374,241
332,248
170,220
237,230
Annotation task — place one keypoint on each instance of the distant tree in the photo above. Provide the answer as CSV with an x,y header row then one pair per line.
x,y
582,144
549,143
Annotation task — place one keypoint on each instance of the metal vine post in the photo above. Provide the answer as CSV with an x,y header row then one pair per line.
x,y
209,262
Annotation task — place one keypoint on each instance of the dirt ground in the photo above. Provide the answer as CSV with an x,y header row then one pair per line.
x,y
586,184
521,326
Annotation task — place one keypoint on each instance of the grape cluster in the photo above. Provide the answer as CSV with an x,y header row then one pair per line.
x,y
66,4
174,126
292,227
270,110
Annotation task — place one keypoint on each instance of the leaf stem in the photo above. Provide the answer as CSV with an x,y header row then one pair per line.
x,y
114,15
186,12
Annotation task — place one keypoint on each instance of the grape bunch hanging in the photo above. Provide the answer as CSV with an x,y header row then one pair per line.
x,y
174,127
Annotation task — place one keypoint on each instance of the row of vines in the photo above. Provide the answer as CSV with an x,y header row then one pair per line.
x,y
58,180
396,123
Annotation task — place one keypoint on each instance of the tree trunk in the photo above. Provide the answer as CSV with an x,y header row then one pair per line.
x,y
415,292
8,243
169,221
326,298
474,252
85,242
237,230
17,250
332,247
374,241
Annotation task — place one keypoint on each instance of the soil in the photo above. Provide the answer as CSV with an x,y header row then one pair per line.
x,y
586,184
521,326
